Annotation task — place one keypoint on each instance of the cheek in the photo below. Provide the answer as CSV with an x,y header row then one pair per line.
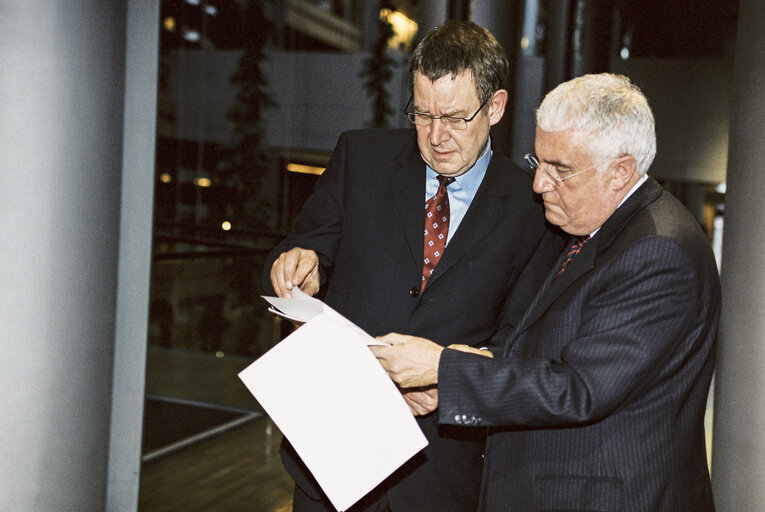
x,y
422,137
467,148
567,206
583,208
422,142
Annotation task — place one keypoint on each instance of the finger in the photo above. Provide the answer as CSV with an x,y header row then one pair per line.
x,y
290,261
424,402
312,282
414,406
277,276
302,269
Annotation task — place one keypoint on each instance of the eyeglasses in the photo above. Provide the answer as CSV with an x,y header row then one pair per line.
x,y
452,123
534,164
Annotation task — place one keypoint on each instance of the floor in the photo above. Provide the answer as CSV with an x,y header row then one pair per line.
x,y
230,467
238,470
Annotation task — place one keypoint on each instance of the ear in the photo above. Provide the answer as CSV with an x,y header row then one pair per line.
x,y
497,106
625,172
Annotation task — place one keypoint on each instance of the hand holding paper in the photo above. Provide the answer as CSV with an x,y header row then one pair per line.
x,y
302,383
410,361
296,268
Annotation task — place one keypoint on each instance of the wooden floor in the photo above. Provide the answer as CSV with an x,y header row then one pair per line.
x,y
236,470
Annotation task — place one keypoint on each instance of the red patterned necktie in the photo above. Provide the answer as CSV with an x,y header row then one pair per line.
x,y
436,228
573,250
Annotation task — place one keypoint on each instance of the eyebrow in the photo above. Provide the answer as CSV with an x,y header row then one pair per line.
x,y
555,163
456,113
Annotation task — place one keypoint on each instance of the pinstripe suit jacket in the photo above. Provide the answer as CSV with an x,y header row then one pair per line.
x,y
598,402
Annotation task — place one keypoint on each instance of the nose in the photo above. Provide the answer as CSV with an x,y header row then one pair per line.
x,y
438,133
543,182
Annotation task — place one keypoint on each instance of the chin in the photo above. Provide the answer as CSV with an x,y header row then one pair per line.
x,y
553,219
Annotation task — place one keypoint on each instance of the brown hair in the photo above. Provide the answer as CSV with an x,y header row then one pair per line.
x,y
461,46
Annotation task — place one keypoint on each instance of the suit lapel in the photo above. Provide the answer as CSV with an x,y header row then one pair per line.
x,y
487,209
585,260
407,186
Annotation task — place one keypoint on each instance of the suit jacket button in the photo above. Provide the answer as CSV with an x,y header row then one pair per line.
x,y
414,291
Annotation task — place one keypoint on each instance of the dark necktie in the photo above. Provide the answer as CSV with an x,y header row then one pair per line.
x,y
436,228
573,250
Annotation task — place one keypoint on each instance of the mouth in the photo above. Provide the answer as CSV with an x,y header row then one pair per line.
x,y
550,207
440,153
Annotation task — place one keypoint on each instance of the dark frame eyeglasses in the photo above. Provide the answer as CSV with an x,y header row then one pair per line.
x,y
453,123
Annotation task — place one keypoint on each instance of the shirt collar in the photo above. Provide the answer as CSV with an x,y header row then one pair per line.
x,y
632,191
470,180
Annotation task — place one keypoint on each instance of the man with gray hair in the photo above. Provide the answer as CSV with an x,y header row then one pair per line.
x,y
597,400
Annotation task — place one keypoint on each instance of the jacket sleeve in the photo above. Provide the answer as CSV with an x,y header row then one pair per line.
x,y
318,225
632,315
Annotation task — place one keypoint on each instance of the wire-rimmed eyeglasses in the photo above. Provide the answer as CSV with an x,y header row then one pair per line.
x,y
534,164
450,122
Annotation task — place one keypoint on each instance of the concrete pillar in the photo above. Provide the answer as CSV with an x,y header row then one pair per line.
x,y
503,19
135,242
557,40
431,13
74,247
738,460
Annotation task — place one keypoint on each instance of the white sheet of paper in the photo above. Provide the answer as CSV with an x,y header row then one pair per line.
x,y
302,308
332,400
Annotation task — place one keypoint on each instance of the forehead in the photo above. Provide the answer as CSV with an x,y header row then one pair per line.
x,y
448,88
562,147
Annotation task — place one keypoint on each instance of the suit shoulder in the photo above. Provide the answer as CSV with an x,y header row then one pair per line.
x,y
513,183
670,219
667,220
511,173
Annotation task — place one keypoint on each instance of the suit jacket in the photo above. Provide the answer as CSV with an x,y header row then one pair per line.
x,y
365,220
598,403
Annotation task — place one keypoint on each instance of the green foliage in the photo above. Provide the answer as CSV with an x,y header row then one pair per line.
x,y
246,162
377,71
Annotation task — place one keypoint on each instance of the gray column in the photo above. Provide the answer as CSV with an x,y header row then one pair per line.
x,y
431,13
557,38
502,18
133,276
62,149
738,460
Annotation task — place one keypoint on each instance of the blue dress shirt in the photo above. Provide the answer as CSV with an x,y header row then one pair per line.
x,y
461,191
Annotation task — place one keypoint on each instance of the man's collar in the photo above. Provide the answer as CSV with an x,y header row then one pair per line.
x,y
472,178
636,186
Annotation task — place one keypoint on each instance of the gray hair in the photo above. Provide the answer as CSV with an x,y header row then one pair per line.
x,y
613,111
456,47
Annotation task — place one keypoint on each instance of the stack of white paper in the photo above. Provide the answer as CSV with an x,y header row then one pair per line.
x,y
326,392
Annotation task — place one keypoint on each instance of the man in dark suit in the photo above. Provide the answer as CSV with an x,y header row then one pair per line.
x,y
360,235
597,401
